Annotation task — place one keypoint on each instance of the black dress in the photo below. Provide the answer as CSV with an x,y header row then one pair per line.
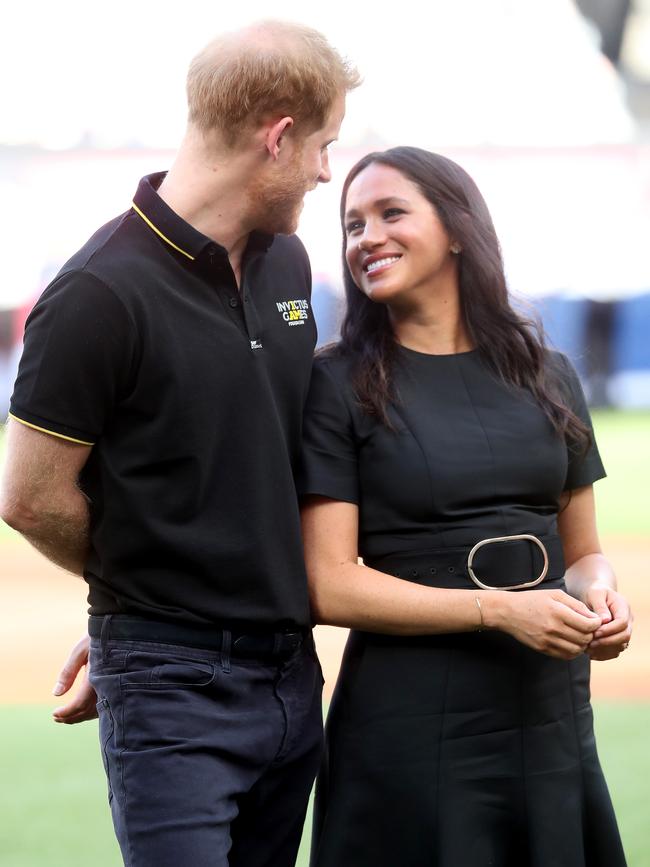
x,y
459,750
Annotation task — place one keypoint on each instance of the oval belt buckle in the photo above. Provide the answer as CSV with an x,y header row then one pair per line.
x,y
477,580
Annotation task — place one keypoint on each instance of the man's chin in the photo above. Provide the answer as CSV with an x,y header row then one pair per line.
x,y
286,225
289,228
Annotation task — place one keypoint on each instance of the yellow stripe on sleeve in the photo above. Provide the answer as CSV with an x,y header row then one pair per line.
x,y
158,232
51,432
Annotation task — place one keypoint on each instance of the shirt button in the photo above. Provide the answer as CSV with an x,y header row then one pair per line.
x,y
234,302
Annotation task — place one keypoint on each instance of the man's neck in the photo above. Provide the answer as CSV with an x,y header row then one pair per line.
x,y
209,194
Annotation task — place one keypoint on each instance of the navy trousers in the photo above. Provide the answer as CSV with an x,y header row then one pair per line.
x,y
210,759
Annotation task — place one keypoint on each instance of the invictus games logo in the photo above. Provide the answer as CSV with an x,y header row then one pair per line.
x,y
294,312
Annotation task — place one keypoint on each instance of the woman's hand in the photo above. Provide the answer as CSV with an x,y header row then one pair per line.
x,y
614,635
549,621
590,577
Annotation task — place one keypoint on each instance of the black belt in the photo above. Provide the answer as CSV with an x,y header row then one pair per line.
x,y
498,563
247,645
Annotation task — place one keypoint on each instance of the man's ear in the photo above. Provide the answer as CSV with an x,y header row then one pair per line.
x,y
275,134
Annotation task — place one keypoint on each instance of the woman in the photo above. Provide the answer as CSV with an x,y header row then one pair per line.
x,y
451,450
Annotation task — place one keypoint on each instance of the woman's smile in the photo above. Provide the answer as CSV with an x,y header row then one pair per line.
x,y
375,265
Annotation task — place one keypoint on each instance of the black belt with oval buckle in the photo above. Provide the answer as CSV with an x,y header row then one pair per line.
x,y
516,562
246,645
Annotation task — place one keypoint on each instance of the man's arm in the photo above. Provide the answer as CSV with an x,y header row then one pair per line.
x,y
40,496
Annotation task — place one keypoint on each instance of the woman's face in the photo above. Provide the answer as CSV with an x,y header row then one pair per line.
x,y
396,246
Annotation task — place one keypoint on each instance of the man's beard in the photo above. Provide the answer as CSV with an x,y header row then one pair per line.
x,y
276,204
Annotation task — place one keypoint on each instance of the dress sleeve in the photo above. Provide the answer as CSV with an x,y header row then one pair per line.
x,y
77,356
583,467
329,465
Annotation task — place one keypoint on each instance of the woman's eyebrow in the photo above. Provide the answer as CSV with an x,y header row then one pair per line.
x,y
380,203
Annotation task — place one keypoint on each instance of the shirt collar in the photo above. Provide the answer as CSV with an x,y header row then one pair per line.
x,y
174,230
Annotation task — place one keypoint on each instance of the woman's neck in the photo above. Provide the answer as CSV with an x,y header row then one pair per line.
x,y
437,330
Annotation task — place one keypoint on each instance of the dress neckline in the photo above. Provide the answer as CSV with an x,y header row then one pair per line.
x,y
414,352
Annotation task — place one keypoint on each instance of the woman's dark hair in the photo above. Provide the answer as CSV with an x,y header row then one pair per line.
x,y
511,344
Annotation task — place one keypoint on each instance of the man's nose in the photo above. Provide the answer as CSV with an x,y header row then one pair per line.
x,y
325,175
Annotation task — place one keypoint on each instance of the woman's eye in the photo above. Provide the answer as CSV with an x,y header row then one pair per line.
x,y
392,212
351,228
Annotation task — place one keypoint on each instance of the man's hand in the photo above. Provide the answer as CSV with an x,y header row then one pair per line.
x,y
83,705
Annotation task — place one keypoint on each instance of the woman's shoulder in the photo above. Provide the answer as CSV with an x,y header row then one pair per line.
x,y
333,361
332,379
556,360
564,383
559,367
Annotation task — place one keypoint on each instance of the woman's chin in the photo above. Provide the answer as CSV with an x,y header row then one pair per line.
x,y
381,294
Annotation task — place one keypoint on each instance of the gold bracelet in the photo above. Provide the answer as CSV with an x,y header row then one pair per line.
x,y
480,612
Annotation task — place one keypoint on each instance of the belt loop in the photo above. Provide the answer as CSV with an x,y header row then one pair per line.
x,y
105,634
226,642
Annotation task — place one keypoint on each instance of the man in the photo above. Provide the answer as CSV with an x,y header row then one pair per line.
x,y
154,427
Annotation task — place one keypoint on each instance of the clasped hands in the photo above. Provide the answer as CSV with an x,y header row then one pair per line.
x,y
615,631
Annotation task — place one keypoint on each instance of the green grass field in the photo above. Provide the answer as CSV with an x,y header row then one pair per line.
x,y
622,498
53,800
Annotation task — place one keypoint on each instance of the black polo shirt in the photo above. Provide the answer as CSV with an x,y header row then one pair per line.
x,y
191,393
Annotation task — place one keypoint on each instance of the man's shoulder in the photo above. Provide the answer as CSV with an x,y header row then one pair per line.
x,y
118,256
285,267
103,246
288,245
91,276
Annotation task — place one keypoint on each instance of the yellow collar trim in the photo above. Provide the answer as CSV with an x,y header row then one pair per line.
x,y
158,232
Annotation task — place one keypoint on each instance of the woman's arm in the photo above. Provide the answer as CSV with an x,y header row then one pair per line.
x,y
345,593
589,575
